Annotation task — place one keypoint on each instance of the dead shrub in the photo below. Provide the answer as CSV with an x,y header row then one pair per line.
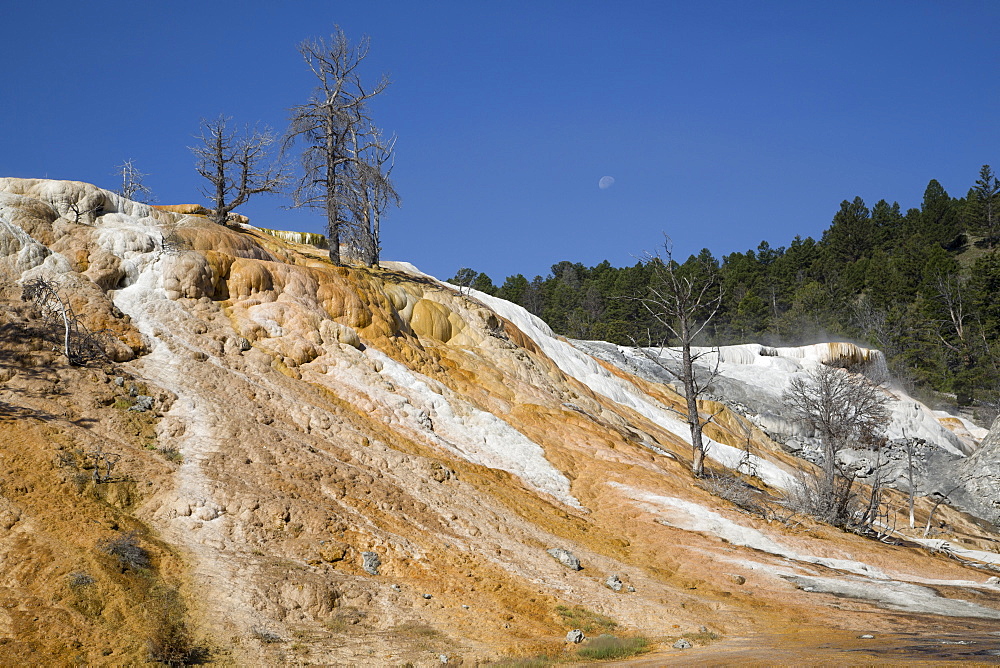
x,y
125,547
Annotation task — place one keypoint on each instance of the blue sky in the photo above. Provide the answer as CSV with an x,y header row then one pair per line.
x,y
722,123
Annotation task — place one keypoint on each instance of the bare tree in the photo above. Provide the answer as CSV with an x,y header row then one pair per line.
x,y
369,191
108,460
846,410
132,186
683,303
79,344
237,164
344,157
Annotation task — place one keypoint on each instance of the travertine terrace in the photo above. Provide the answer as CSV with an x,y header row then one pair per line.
x,y
304,414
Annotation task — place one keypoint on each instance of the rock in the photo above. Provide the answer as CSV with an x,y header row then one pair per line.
x,y
565,557
427,596
614,582
142,404
575,636
866,636
119,381
702,629
682,644
465,607
738,579
397,588
331,551
443,658
980,478
371,562
993,581
630,589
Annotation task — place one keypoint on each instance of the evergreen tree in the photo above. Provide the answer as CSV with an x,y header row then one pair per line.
x,y
987,194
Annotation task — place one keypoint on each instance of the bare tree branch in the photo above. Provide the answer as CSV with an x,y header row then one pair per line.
x,y
237,165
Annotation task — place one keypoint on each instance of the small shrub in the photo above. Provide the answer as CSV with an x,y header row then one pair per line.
x,y
345,618
122,403
125,547
418,630
587,621
80,579
172,455
169,641
702,637
541,661
611,647
266,636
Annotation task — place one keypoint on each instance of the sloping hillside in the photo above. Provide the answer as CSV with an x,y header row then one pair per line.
x,y
363,466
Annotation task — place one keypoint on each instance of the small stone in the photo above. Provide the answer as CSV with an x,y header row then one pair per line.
x,y
702,629
465,607
443,658
614,582
142,404
738,579
397,588
427,596
993,581
575,636
630,589
565,557
371,562
682,644
119,381
866,636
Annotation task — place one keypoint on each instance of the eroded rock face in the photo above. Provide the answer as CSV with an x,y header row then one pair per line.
x,y
980,478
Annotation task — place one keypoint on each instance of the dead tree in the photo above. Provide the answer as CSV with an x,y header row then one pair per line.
x,y
370,191
939,498
340,146
237,164
912,445
684,302
78,344
132,186
844,409
107,460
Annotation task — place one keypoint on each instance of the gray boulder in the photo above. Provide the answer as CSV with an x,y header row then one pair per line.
x,y
142,404
565,557
371,562
682,644
614,582
575,636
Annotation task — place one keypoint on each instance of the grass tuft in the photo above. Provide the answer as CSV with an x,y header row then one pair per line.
x,y
611,647
587,621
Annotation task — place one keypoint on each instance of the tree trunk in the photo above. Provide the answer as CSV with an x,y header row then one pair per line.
x,y
693,418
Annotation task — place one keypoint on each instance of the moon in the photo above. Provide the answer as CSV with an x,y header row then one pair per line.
x,y
606,182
